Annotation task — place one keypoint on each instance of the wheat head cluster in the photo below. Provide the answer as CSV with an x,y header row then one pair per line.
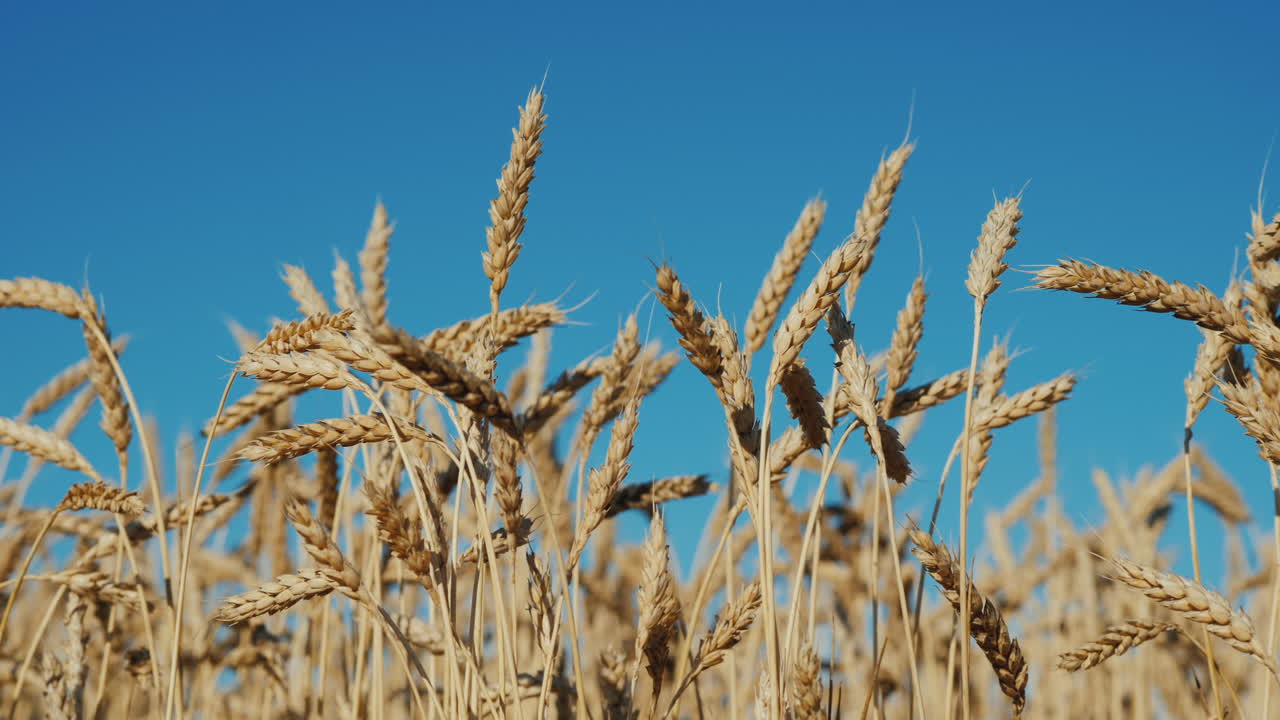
x,y
442,542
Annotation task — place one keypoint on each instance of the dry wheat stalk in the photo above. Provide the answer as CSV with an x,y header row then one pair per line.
x,y
782,275
506,211
330,433
1196,603
986,626
543,611
100,496
53,674
45,445
729,628
1116,640
42,294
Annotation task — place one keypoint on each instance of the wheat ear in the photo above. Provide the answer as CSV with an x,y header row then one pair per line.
x,y
782,275
1115,640
1196,603
986,626
41,294
506,211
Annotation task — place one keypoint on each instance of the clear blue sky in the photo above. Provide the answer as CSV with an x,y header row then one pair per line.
x,y
176,155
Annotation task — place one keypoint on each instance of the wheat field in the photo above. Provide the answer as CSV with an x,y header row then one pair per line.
x,y
441,544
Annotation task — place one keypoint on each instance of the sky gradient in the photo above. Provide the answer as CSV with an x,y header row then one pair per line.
x,y
175,156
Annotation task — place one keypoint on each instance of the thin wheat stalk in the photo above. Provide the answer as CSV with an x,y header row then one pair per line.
x,y
999,234
864,391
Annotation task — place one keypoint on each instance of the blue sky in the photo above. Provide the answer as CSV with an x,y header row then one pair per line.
x,y
177,155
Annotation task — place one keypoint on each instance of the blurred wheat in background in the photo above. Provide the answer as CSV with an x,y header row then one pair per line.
x,y
441,543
